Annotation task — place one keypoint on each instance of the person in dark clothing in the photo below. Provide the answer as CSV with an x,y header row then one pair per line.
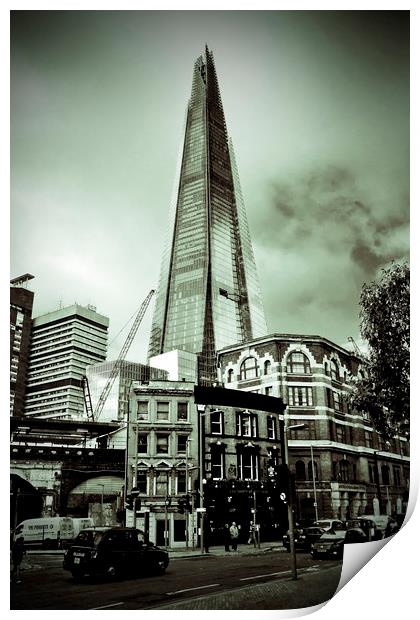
x,y
226,535
18,551
234,535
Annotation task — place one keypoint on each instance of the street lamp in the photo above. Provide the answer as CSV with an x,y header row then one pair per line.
x,y
201,409
314,484
186,490
287,428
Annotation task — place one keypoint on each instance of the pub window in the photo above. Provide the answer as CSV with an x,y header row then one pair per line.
x,y
267,367
248,465
246,424
271,427
216,422
230,375
217,465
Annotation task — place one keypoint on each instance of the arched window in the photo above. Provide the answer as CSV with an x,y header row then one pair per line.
x,y
310,470
267,366
230,375
335,375
249,368
300,470
298,363
344,471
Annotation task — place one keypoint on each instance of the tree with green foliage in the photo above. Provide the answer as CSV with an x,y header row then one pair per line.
x,y
383,391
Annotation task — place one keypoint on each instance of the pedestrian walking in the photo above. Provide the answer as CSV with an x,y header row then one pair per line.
x,y
226,536
251,538
18,551
234,534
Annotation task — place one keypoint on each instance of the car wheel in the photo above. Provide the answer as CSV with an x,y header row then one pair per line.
x,y
111,571
314,555
77,576
160,567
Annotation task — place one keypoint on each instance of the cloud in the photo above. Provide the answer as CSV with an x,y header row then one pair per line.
x,y
321,235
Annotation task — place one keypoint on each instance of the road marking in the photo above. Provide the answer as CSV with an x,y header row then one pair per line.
x,y
284,572
211,585
105,606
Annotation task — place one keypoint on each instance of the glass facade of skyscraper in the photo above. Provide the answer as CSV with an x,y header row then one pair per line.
x,y
208,295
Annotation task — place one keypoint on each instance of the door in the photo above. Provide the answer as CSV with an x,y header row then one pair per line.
x,y
160,533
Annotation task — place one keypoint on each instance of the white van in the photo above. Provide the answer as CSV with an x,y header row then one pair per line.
x,y
80,523
46,532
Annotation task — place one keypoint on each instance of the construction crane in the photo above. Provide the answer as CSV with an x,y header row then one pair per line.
x,y
355,347
93,414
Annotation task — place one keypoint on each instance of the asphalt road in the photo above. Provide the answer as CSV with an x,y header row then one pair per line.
x,y
209,582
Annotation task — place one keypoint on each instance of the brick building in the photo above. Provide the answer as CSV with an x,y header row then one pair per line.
x,y
335,449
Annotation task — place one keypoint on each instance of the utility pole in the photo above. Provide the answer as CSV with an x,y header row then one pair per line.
x,y
187,491
314,484
284,432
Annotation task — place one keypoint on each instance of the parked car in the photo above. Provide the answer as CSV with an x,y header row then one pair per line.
x,y
304,537
327,524
381,523
367,526
331,543
113,551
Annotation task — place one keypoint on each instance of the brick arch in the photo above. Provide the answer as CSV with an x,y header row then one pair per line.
x,y
93,486
298,347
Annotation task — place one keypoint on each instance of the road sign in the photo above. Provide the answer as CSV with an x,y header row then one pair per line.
x,y
201,509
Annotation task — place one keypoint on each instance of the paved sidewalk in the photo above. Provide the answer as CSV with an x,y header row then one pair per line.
x,y
244,549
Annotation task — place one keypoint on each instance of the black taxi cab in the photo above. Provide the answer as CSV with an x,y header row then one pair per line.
x,y
112,552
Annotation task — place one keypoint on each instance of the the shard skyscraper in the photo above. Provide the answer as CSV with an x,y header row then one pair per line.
x,y
208,295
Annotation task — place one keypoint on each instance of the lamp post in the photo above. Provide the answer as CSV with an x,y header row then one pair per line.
x,y
187,493
287,428
314,484
201,413
201,409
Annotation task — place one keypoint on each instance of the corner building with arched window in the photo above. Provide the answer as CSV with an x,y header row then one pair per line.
x,y
336,450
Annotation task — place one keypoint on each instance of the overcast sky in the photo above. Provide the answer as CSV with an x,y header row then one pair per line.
x,y
317,105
